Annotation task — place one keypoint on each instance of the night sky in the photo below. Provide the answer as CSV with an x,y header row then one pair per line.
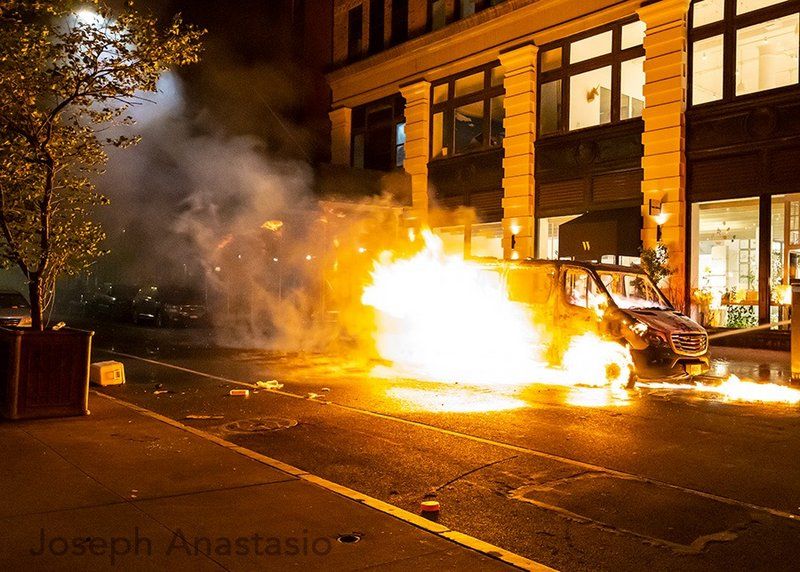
x,y
255,77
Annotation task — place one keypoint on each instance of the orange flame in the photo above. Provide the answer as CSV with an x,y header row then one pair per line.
x,y
442,318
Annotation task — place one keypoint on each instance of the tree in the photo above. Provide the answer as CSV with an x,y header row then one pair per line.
x,y
68,76
655,262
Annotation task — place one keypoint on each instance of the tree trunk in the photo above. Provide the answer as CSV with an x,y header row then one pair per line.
x,y
35,293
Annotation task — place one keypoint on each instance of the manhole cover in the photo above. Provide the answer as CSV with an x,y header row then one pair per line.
x,y
349,538
259,425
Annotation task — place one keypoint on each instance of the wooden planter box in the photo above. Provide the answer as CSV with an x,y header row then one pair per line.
x,y
44,374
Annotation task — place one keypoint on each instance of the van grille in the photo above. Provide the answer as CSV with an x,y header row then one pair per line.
x,y
690,344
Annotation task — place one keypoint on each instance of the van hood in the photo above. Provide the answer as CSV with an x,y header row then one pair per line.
x,y
665,320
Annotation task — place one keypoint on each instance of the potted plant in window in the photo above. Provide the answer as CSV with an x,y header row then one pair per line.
x,y
66,77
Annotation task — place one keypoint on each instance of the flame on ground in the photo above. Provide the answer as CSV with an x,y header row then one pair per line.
x,y
736,390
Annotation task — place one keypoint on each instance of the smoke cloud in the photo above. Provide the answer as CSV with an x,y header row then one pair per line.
x,y
193,205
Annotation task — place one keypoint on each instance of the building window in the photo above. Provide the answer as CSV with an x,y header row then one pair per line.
x,y
473,240
437,14
547,245
725,249
467,8
399,21
467,112
375,26
741,47
379,135
785,254
355,22
592,79
400,144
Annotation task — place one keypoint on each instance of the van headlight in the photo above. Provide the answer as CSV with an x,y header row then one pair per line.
x,y
655,338
639,328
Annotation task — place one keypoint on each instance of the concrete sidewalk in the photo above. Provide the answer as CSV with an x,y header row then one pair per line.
x,y
126,489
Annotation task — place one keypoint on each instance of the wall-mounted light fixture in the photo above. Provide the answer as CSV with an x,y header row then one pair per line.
x,y
515,230
654,210
660,220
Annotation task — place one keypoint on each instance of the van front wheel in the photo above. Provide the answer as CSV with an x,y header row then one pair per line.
x,y
632,379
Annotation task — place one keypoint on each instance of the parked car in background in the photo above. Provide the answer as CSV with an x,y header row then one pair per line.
x,y
113,300
165,306
14,309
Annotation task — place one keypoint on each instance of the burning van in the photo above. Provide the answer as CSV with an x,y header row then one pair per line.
x,y
615,302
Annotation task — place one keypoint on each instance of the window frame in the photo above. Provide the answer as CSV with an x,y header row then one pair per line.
x,y
393,102
355,48
450,104
614,59
728,28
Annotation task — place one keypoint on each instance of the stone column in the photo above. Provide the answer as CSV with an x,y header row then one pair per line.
x,y
341,131
418,122
519,68
664,139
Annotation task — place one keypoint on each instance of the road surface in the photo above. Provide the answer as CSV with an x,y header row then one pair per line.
x,y
574,479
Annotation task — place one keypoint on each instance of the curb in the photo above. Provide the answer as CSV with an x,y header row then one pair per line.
x,y
440,530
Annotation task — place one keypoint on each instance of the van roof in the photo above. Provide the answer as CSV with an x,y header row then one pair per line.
x,y
596,266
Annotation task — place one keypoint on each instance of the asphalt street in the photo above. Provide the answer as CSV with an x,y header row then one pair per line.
x,y
577,479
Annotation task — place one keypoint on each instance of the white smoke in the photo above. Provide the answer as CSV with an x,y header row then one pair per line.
x,y
188,204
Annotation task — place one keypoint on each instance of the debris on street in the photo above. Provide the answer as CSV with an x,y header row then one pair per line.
x,y
429,509
271,384
203,417
239,393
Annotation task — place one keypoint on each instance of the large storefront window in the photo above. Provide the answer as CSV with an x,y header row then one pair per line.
x,y
725,263
467,112
476,240
785,254
592,79
547,243
727,267
743,46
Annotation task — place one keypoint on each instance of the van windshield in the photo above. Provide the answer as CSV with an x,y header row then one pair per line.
x,y
633,291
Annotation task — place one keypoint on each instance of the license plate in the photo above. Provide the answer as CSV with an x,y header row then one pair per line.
x,y
694,369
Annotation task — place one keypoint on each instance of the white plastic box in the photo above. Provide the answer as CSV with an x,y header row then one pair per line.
x,y
107,373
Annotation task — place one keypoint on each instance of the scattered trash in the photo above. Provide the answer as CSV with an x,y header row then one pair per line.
x,y
239,393
58,326
271,384
203,417
159,385
312,395
160,391
325,389
429,509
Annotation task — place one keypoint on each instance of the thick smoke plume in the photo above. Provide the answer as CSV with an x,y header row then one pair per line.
x,y
192,205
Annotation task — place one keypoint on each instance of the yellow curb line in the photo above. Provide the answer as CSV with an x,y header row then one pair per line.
x,y
401,514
